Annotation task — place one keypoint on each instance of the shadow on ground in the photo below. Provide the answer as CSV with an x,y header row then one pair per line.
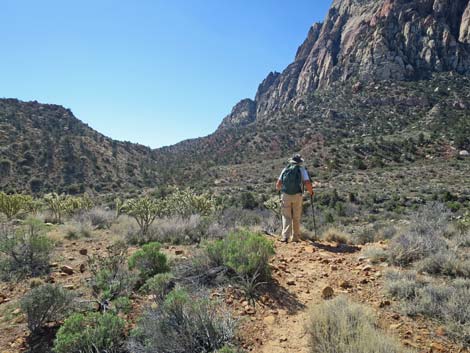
x,y
283,299
339,249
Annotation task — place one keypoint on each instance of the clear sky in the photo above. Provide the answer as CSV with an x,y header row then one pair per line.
x,y
148,71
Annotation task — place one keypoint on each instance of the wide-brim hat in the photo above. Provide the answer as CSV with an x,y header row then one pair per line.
x,y
296,159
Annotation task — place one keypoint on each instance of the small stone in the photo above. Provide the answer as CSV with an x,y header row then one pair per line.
x,y
290,282
327,293
334,268
69,286
83,252
283,339
384,303
345,284
269,320
396,316
82,268
16,311
67,269
179,252
396,326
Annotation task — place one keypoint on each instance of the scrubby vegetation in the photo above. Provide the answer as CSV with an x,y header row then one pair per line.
x,y
24,250
183,324
340,326
46,303
91,332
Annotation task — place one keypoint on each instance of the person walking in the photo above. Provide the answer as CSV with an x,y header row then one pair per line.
x,y
291,183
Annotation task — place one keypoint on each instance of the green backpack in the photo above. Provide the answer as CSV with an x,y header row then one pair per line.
x,y
292,180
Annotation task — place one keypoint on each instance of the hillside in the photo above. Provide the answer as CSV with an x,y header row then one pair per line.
x,y
377,84
371,85
43,147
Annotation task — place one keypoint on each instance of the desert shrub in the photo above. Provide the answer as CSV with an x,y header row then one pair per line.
x,y
244,252
182,324
232,218
128,229
110,277
334,235
159,286
445,263
90,333
364,236
376,255
122,305
149,261
179,230
403,285
77,230
25,250
413,245
340,326
46,303
448,303
13,205
99,218
144,210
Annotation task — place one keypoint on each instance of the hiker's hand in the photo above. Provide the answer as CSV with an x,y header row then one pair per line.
x,y
278,185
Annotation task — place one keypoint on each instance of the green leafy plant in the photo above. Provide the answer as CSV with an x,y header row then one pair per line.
x,y
149,261
90,333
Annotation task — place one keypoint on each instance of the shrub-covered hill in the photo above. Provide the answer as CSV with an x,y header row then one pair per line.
x,y
343,127
44,147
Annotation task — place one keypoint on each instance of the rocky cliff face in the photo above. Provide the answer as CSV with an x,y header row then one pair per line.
x,y
370,40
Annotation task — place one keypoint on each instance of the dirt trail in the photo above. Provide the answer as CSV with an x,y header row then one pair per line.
x,y
301,272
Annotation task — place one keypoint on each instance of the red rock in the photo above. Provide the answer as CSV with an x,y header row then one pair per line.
x,y
67,269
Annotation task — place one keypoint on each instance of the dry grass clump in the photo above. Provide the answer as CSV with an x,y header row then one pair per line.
x,y
340,326
376,255
448,303
334,235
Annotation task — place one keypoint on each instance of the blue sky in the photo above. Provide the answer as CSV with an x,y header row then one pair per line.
x,y
148,71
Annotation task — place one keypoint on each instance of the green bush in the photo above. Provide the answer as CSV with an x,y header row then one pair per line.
x,y
149,261
90,333
340,326
26,250
159,285
46,303
110,277
244,252
182,324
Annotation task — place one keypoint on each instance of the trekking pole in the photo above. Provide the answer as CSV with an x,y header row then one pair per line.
x,y
313,215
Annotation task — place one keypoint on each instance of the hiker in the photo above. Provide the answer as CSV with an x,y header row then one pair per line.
x,y
291,183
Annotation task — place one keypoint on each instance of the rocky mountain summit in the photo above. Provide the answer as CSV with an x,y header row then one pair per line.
x,y
368,40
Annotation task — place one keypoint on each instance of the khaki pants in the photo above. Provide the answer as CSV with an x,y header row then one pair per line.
x,y
291,212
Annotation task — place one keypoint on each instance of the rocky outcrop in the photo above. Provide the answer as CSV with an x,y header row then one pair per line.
x,y
242,114
464,35
370,40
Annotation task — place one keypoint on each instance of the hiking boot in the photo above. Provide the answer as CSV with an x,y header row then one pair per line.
x,y
283,240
